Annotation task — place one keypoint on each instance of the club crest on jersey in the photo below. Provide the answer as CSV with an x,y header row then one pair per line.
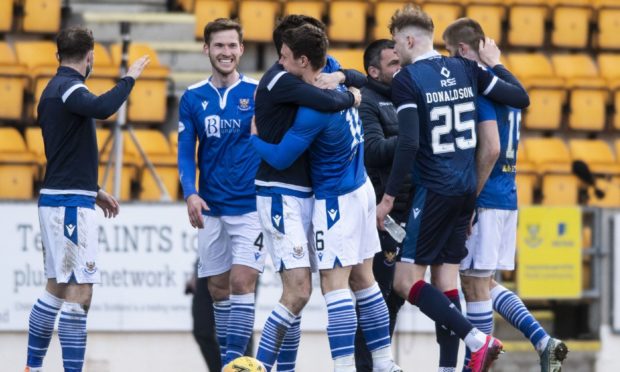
x,y
244,104
90,268
390,257
298,252
204,105
448,82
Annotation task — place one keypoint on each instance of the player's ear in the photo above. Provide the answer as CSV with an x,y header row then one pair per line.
x,y
373,72
205,49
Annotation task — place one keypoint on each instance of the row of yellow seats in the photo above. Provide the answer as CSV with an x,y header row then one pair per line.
x,y
545,164
27,66
37,16
22,162
526,20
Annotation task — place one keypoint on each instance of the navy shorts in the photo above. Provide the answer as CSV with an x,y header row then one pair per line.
x,y
437,228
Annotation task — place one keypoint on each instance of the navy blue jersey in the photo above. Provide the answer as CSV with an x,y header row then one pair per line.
x,y
500,190
65,112
278,96
335,148
444,91
220,119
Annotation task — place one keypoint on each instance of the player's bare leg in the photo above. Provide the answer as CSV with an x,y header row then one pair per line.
x,y
409,283
374,317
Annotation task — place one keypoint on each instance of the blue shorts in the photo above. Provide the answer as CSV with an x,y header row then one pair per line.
x,y
437,228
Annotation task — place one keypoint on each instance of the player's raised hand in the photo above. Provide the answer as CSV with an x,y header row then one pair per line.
x,y
138,66
329,80
357,94
383,209
107,203
489,52
195,206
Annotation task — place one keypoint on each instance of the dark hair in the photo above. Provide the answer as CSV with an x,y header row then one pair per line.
x,y
464,30
222,24
290,22
372,54
309,41
74,43
411,16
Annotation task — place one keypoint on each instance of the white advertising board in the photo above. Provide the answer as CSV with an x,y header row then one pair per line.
x,y
146,255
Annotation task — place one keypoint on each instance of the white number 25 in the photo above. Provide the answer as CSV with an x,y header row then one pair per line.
x,y
460,126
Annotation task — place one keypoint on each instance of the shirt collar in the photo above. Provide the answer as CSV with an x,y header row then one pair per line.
x,y
427,55
69,71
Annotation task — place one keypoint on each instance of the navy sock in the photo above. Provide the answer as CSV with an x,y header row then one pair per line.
x,y
447,340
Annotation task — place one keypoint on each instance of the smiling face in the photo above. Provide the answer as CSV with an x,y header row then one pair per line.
x,y
224,51
292,65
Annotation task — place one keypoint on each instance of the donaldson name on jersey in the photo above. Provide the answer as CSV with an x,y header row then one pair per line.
x,y
220,118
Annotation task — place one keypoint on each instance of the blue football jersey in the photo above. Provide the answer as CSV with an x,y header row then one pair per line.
x,y
443,90
220,119
500,190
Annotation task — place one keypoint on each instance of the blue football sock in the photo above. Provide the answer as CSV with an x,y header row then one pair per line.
x,y
41,326
221,313
448,341
276,328
290,345
240,325
341,323
72,334
480,314
374,318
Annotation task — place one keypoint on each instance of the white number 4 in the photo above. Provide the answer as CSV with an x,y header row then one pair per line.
x,y
460,126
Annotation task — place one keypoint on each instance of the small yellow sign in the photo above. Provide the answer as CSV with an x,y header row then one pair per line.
x,y
549,253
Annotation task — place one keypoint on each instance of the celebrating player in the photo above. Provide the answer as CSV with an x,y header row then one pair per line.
x,y
344,208
492,243
218,112
284,198
435,100
69,228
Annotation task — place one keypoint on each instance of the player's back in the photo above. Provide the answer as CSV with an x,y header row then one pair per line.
x,y
337,153
500,190
446,92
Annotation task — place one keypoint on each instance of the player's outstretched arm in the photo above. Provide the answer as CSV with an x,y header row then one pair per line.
x,y
107,203
503,87
349,78
488,147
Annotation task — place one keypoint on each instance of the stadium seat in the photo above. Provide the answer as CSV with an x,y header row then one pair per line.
x,y
384,10
609,28
490,17
173,138
347,21
442,14
616,117
13,80
147,102
578,70
315,9
527,25
524,165
158,151
39,58
349,58
525,188
258,19
609,65
41,16
17,166
187,5
571,26
6,15
550,155
611,188
596,153
206,11
34,143
128,170
559,189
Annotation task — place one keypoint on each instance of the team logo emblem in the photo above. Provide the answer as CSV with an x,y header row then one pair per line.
x,y
70,229
277,219
90,268
181,127
320,256
390,257
416,212
298,252
445,72
533,239
204,105
256,256
332,213
244,104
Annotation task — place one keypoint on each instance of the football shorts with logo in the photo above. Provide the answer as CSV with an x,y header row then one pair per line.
x,y
437,227
345,229
493,241
286,221
228,240
70,237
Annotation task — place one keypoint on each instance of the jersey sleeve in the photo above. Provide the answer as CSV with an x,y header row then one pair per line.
x,y
289,89
485,110
79,100
404,93
187,148
307,125
500,86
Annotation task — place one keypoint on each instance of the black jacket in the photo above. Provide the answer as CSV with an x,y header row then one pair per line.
x,y
380,122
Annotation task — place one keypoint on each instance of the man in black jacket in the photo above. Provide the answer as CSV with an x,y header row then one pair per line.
x,y
380,123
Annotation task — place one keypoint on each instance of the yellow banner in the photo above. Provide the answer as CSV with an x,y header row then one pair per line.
x,y
549,252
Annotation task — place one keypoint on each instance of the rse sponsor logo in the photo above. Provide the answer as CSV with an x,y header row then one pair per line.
x,y
448,82
215,126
